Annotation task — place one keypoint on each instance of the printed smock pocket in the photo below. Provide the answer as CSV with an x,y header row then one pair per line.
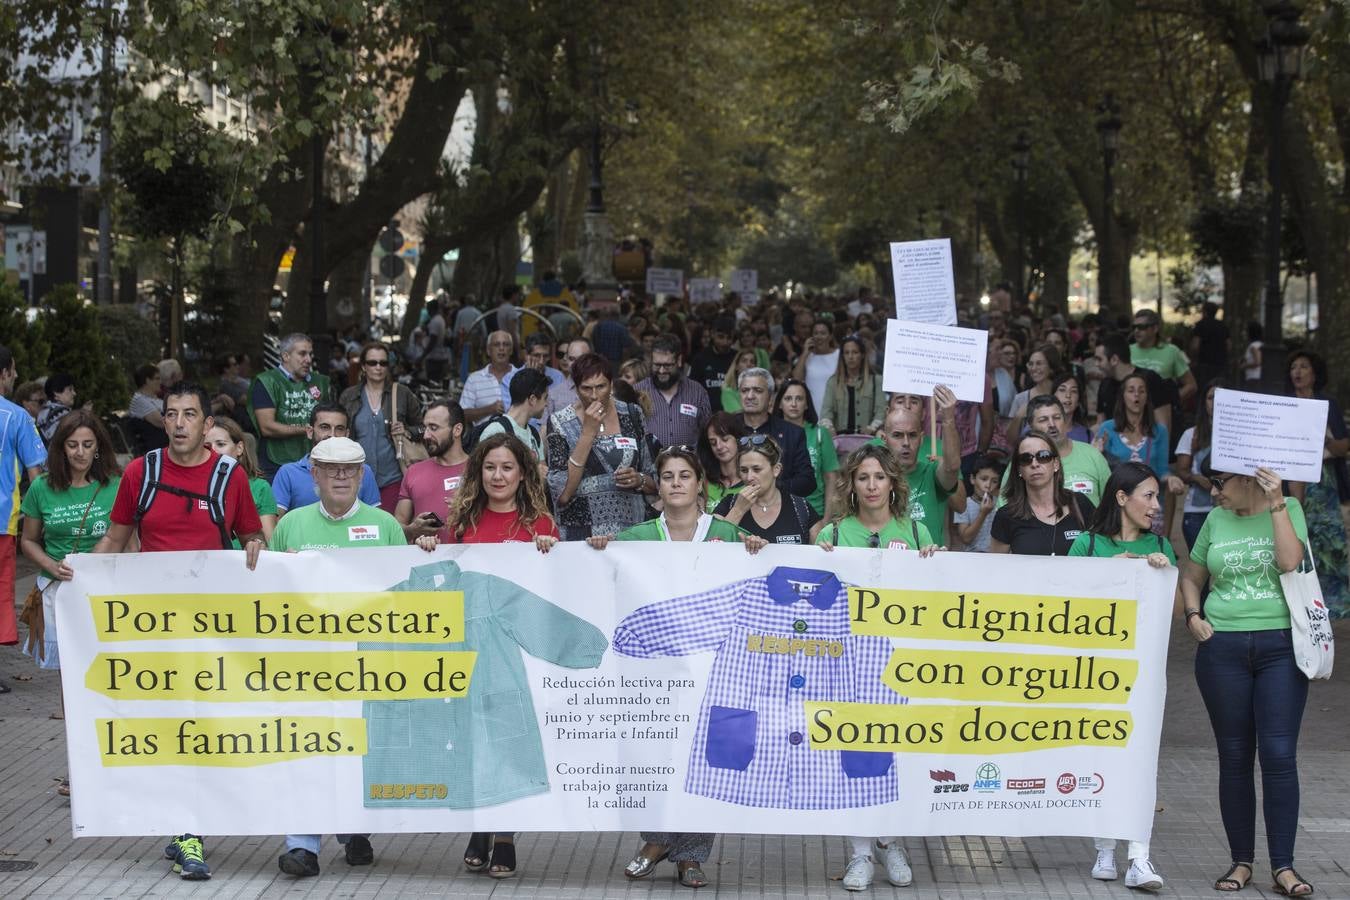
x,y
731,737
390,724
503,715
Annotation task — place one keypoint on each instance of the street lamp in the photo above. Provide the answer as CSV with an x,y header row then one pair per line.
x,y
1279,62
1021,162
1108,131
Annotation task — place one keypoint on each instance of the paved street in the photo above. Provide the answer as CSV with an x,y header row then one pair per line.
x,y
38,857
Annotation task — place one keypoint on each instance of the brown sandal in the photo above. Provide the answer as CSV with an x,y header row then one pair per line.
x,y
1227,879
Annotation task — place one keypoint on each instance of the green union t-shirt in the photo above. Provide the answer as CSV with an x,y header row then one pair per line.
x,y
927,497
61,514
1105,547
1239,551
898,534
307,528
1165,359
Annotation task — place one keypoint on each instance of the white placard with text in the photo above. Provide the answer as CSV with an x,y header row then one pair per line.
x,y
920,356
925,290
1285,434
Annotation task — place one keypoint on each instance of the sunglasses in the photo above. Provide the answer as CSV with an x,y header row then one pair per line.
x,y
1044,457
874,540
753,440
674,449
378,363
1220,480
1141,326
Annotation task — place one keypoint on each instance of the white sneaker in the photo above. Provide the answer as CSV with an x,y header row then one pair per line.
x,y
1143,876
858,875
898,871
1105,867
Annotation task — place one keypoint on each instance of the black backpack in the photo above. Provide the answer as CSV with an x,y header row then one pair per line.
x,y
214,496
470,440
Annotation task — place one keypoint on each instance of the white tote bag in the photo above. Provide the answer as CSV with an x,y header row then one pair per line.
x,y
1309,620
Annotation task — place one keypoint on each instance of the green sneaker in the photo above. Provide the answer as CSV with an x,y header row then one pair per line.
x,y
186,852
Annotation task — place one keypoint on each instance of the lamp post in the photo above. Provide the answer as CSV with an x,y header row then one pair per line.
x,y
1108,132
1280,62
1021,162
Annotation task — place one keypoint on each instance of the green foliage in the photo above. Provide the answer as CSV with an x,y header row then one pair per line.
x,y
26,341
78,347
1192,287
163,157
1229,228
131,340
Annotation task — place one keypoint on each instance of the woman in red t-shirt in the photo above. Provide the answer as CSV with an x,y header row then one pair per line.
x,y
501,499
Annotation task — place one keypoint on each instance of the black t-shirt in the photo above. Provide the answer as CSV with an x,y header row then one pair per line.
x,y
793,525
709,369
1032,537
1160,392
1213,337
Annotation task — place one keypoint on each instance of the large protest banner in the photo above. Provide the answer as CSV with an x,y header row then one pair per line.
x,y
687,687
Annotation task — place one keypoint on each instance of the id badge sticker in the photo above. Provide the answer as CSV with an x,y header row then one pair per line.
x,y
625,443
688,409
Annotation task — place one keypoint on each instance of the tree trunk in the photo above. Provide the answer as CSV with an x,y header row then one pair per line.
x,y
433,249
1055,290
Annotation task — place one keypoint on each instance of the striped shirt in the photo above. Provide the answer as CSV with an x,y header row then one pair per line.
x,y
682,418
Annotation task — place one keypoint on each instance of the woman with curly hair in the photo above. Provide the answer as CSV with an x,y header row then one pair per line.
x,y
500,500
875,513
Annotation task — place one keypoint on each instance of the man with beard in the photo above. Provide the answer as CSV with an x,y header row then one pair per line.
x,y
931,479
680,408
428,486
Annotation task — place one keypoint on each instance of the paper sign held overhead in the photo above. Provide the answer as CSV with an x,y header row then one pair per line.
x,y
1285,434
743,281
920,356
925,290
665,281
704,290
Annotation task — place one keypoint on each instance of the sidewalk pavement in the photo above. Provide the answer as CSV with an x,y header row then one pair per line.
x,y
39,858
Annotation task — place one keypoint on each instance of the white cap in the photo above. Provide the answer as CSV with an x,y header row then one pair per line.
x,y
337,450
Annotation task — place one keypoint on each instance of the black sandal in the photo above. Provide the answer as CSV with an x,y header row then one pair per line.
x,y
503,860
1227,878
1293,889
478,853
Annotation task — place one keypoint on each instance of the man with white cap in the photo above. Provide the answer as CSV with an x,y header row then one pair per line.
x,y
339,519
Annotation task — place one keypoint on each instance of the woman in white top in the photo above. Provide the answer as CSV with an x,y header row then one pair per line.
x,y
1043,365
1251,360
819,360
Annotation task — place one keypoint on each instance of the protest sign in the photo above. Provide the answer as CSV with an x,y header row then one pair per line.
x,y
924,287
793,691
704,290
743,281
665,281
1285,434
919,357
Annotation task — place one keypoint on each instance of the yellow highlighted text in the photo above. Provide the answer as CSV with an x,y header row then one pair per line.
x,y
243,677
409,617
234,741
1010,677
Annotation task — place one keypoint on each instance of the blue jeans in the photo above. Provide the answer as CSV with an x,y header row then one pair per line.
x,y
1255,696
1191,523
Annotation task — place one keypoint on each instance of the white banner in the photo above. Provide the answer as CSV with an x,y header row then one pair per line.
x,y
795,691
1286,434
665,281
919,357
925,289
704,290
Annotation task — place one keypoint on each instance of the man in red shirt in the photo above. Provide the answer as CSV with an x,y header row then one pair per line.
x,y
179,517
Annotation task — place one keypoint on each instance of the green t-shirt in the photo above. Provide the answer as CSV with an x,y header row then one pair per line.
x,y
824,459
1165,359
716,492
61,513
1105,547
1085,472
307,528
263,499
925,446
897,535
1239,551
651,530
927,497
292,402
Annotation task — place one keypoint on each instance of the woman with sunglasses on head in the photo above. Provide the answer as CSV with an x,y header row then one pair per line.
x,y
378,411
1040,516
1244,665
795,406
683,498
718,452
1121,528
875,514
500,500
760,507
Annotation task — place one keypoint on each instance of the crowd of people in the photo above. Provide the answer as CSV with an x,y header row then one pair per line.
x,y
760,424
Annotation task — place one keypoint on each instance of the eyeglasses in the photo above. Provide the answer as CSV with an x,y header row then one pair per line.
x,y
662,367
753,440
874,540
1220,480
339,471
1141,326
376,362
1044,457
